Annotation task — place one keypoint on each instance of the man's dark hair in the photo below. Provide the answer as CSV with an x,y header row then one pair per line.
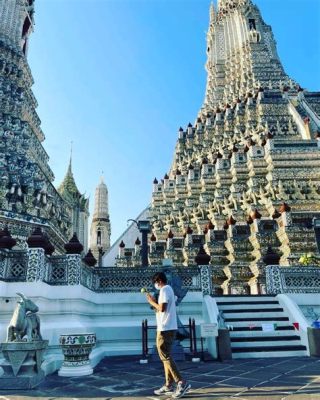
x,y
159,276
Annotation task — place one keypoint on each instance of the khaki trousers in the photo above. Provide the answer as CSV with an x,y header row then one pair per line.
x,y
164,345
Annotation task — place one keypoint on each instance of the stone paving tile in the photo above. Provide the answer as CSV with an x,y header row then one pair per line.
x,y
222,391
260,375
198,385
303,397
309,391
125,378
241,381
268,386
226,371
204,378
271,396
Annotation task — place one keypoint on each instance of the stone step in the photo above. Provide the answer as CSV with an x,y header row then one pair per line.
x,y
270,354
244,328
258,299
253,306
245,302
264,338
250,324
249,319
256,334
265,344
255,316
253,310
254,349
246,315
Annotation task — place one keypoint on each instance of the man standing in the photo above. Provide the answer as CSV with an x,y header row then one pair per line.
x,y
166,316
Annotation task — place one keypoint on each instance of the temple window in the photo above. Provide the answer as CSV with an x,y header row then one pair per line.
x,y
252,24
98,237
26,26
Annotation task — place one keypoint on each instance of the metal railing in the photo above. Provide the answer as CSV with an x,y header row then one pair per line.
x,y
191,328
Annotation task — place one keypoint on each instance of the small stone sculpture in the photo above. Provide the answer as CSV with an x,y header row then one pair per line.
x,y
221,321
24,322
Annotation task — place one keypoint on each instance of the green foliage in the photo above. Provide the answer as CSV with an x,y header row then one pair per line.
x,y
308,259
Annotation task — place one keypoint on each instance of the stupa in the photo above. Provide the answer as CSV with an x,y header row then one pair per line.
x,y
245,178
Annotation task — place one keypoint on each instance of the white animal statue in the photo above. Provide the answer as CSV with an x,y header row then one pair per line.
x,y
24,321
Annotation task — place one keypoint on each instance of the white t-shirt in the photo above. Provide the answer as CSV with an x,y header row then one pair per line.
x,y
167,320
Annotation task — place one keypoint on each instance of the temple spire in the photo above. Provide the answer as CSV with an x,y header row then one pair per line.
x,y
70,161
212,13
100,230
226,195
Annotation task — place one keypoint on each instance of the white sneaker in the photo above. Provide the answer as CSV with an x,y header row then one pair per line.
x,y
181,390
164,390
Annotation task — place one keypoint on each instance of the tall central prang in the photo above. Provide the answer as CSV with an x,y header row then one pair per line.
x,y
245,178
28,198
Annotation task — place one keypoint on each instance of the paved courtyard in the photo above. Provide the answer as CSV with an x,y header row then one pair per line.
x,y
295,378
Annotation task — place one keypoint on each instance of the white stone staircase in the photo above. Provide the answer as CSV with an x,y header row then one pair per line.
x,y
246,315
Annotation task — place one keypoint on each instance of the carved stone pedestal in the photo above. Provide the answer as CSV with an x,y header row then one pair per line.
x,y
76,350
22,365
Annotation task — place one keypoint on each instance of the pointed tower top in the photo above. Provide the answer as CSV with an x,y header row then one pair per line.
x,y
212,12
69,170
70,162
68,188
102,183
101,201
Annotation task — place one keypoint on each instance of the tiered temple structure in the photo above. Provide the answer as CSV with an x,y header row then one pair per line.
x,y
243,187
79,205
245,178
100,231
27,195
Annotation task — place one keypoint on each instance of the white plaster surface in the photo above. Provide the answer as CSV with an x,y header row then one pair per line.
x,y
82,370
290,303
210,314
115,317
129,236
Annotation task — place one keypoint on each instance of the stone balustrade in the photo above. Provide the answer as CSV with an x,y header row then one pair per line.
x,y
292,279
33,265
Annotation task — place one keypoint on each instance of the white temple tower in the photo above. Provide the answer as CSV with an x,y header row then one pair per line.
x,y
100,227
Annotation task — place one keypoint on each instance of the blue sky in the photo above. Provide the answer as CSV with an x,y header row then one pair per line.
x,y
118,78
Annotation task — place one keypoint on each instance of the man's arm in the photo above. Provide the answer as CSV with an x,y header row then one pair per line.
x,y
159,307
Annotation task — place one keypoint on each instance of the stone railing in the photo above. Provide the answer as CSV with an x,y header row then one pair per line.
x,y
33,265
13,265
56,271
132,279
292,279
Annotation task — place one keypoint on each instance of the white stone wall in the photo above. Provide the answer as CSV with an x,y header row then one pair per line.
x,y
129,236
115,317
